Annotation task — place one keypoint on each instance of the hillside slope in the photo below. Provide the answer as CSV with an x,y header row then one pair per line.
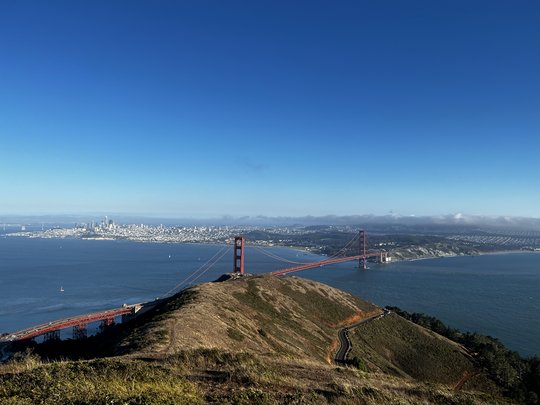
x,y
266,315
396,346
261,339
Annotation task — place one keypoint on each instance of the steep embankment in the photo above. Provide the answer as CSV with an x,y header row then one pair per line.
x,y
267,315
396,346
262,340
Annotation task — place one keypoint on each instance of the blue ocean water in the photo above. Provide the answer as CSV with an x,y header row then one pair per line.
x,y
98,274
497,295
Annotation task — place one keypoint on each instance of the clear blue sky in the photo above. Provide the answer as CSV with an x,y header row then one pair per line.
x,y
203,108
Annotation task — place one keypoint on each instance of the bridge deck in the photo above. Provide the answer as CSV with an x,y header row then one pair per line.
x,y
322,263
43,328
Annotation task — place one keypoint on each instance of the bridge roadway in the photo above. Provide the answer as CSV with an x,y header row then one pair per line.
x,y
78,320
322,263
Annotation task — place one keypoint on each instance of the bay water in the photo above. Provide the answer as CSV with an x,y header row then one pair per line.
x,y
497,295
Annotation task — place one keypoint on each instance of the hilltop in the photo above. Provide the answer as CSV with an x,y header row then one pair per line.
x,y
267,316
254,339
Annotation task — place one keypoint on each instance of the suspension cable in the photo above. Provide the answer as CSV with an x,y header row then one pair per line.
x,y
276,257
209,267
335,255
194,273
344,248
219,254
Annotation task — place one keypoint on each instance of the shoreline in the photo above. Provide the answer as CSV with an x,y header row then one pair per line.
x,y
304,250
500,252
314,256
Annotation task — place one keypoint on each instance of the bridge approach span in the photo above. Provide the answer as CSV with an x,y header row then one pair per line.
x,y
73,321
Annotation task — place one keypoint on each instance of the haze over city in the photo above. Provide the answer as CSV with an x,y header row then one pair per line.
x,y
205,109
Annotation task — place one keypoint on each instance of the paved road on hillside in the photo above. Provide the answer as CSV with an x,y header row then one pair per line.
x,y
344,341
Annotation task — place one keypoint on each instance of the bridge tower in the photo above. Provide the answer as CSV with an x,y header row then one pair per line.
x,y
362,263
80,331
238,255
105,323
52,335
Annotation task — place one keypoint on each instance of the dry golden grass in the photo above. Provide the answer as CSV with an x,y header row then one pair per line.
x,y
262,340
270,316
112,381
396,346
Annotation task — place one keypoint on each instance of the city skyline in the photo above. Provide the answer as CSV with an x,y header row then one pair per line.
x,y
208,109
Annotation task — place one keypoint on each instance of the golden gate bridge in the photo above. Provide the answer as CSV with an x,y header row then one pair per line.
x,y
51,330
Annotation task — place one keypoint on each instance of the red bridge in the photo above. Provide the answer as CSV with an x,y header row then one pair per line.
x,y
79,323
306,266
51,330
362,256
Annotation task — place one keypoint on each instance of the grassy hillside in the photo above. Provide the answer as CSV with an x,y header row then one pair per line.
x,y
258,340
268,316
398,347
